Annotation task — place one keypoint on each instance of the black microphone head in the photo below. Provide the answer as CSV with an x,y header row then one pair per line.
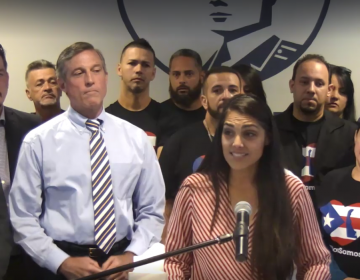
x,y
242,206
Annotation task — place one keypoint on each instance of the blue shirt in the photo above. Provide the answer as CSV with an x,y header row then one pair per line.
x,y
51,196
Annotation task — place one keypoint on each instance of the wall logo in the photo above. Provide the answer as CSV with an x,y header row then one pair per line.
x,y
269,35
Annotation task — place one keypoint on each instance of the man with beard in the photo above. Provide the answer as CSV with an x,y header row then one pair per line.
x,y
314,141
185,150
137,70
184,106
42,89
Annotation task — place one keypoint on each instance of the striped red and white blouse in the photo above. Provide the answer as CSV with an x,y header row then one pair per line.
x,y
190,224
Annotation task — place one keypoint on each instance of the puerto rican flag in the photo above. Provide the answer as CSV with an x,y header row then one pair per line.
x,y
197,163
152,138
308,153
341,222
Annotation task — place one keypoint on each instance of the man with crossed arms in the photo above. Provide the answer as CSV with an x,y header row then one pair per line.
x,y
88,192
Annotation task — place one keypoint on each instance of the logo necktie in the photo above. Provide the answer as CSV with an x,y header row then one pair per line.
x,y
104,211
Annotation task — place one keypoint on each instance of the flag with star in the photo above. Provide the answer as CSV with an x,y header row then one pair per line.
x,y
331,219
341,222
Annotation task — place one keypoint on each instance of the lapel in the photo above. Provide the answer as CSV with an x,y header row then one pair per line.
x,y
326,139
290,141
13,138
284,120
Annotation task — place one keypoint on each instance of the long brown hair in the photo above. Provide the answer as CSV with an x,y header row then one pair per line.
x,y
273,242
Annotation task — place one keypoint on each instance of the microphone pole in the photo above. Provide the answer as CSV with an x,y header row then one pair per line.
x,y
218,240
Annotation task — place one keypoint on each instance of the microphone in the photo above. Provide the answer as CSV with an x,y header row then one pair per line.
x,y
242,211
218,240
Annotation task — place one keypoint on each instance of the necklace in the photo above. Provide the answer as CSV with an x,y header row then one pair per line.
x,y
208,131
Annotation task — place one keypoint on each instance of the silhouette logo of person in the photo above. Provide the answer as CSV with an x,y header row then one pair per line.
x,y
268,35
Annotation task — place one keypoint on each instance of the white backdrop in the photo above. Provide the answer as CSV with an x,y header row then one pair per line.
x,y
36,29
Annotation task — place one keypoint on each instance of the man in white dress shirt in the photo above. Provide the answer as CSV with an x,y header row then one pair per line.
x,y
88,192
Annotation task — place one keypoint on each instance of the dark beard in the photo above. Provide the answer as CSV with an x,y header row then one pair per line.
x,y
185,100
214,113
136,90
310,111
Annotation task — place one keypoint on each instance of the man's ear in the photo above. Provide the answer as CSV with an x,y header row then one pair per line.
x,y
204,101
119,69
61,84
28,94
330,89
202,76
291,85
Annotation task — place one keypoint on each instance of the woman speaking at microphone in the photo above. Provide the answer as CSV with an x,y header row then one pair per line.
x,y
244,164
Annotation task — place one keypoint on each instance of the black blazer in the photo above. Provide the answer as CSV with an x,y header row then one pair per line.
x,y
5,235
17,125
335,147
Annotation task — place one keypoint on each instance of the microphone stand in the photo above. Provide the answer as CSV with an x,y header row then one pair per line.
x,y
218,240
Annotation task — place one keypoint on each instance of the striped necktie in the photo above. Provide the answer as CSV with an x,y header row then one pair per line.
x,y
104,212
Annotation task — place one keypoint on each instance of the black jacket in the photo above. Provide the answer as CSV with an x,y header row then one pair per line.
x,y
17,125
5,234
334,149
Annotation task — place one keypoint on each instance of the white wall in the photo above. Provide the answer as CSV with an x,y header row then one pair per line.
x,y
36,29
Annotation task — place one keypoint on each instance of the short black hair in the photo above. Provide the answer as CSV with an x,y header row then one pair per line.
x,y
2,55
308,57
138,43
219,70
187,53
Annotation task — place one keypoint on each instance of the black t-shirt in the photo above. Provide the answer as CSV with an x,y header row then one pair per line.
x,y
308,133
172,118
182,156
145,119
339,203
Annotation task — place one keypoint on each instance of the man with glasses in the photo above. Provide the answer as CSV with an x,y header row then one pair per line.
x,y
14,125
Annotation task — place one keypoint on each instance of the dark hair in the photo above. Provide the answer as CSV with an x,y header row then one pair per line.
x,y
343,75
187,53
252,80
274,239
38,64
308,57
72,51
219,70
2,55
138,43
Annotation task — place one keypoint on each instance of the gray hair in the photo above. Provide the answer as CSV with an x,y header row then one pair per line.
x,y
38,64
72,51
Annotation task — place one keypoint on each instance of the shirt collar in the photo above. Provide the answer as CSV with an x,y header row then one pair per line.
x,y
79,120
2,116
